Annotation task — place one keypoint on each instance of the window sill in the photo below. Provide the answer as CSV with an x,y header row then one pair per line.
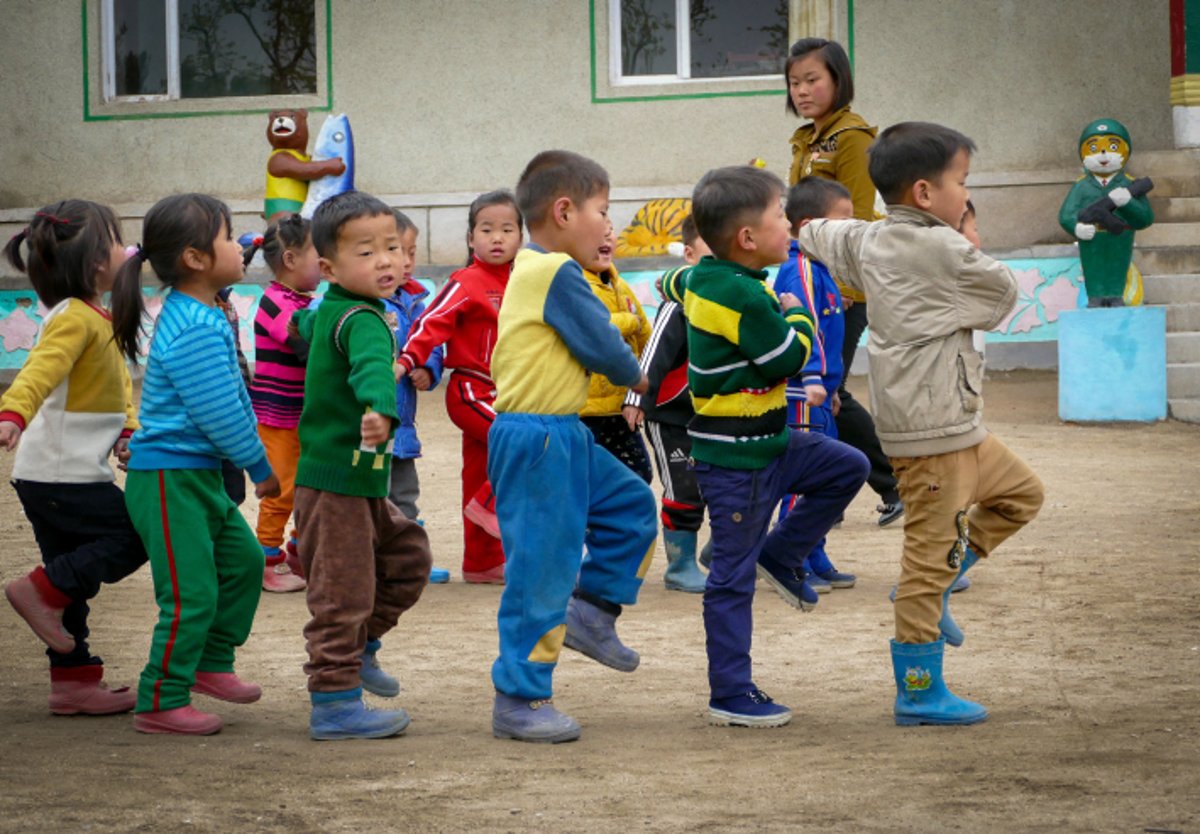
x,y
131,108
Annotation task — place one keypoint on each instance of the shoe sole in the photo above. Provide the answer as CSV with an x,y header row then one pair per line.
x,y
721,718
200,689
574,646
344,735
67,709
914,721
62,646
671,586
151,728
558,738
381,693
781,589
842,584
885,522
822,589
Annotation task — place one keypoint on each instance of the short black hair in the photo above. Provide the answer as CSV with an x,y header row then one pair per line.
x,y
911,151
339,210
403,222
554,174
836,61
687,230
726,199
812,197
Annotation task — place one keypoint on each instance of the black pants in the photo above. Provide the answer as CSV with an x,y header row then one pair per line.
x,y
682,503
86,539
854,423
612,432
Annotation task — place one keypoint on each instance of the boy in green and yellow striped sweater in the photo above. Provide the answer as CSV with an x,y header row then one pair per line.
x,y
743,344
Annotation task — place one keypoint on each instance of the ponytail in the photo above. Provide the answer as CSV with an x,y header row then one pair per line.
x,y
128,306
12,250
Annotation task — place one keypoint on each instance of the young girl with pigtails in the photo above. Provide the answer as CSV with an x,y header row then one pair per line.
x,y
206,563
69,408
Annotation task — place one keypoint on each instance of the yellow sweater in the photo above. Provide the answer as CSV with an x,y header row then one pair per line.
x,y
627,316
73,397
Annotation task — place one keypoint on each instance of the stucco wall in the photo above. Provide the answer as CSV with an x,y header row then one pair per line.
x,y
445,96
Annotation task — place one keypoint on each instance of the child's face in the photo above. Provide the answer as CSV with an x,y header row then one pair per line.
x,y
227,266
587,227
970,230
496,236
811,87
306,267
106,274
603,258
368,260
945,197
694,251
408,246
766,241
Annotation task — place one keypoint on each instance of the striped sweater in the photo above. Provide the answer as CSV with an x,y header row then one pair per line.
x,y
741,349
195,409
277,391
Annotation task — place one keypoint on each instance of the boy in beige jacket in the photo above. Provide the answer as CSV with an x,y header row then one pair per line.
x,y
964,492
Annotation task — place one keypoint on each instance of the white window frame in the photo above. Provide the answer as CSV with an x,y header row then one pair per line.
x,y
109,69
683,54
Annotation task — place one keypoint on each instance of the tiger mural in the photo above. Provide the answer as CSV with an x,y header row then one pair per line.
x,y
653,228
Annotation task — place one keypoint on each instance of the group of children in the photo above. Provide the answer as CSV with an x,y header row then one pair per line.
x,y
738,388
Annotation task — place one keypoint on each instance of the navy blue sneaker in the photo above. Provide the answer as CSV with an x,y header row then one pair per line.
x,y
754,709
821,586
835,578
789,583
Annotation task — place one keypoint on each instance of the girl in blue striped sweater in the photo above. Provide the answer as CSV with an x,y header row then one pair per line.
x,y
206,563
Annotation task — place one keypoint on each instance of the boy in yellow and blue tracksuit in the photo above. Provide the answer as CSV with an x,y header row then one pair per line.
x,y
556,489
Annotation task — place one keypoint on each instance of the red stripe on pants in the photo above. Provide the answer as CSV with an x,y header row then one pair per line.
x,y
162,494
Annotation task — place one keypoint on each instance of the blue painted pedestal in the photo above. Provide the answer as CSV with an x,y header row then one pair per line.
x,y
1112,364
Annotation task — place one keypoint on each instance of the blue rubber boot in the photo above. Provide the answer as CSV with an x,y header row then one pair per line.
x,y
946,624
341,715
592,630
921,693
705,557
682,573
374,679
537,721
438,576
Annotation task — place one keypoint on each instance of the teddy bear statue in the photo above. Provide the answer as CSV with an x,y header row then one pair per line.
x,y
289,167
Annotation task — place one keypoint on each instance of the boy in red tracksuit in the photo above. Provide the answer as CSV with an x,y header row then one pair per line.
x,y
463,317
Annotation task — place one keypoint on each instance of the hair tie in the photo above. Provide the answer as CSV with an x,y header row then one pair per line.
x,y
50,218
258,241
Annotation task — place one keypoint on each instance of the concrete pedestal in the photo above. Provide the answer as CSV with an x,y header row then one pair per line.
x,y
1112,364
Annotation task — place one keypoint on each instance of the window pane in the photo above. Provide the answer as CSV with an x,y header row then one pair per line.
x,y
140,47
247,47
738,37
648,37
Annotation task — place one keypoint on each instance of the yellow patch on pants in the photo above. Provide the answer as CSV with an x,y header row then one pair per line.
x,y
549,646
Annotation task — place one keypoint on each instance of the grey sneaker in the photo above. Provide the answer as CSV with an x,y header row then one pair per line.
x,y
535,721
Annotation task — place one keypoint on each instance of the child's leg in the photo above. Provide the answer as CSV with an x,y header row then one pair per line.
x,y
612,433
1008,496
404,487
283,451
469,405
402,563
239,563
86,539
539,466
621,528
739,511
337,552
682,503
177,512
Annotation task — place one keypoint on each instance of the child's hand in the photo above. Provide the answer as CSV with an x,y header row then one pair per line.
x,y
642,386
120,451
633,416
292,330
10,433
421,378
401,371
815,395
268,488
847,302
789,302
375,428
837,404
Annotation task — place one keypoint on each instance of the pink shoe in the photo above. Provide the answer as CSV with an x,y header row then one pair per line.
x,y
481,515
41,605
292,558
491,576
183,721
79,690
226,686
279,580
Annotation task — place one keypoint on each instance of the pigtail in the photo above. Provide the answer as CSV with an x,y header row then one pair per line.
x,y
12,250
128,306
251,249
289,232
65,243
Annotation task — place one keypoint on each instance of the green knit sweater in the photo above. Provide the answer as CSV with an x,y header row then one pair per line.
x,y
349,371
742,348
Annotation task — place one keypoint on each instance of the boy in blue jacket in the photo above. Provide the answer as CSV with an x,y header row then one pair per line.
x,y
812,397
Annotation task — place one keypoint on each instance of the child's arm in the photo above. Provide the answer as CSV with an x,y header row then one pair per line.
x,y
641,333
428,375
789,280
582,322
835,243
986,292
59,346
435,326
778,344
199,368
673,284
367,342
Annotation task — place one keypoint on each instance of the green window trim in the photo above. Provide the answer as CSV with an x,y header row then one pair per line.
x,y
323,107
597,98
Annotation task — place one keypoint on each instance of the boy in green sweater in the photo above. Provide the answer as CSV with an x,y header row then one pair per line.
x,y
366,563
743,344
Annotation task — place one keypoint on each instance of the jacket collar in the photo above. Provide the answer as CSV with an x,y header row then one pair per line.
x,y
498,271
843,119
710,264
899,213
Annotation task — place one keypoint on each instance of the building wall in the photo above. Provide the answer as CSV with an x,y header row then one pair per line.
x,y
448,97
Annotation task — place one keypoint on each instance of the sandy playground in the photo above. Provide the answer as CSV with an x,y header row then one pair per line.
x,y
1083,639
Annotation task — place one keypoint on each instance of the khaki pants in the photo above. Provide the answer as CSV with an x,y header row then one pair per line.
x,y
1000,493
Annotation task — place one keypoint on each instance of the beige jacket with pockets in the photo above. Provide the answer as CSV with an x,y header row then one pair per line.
x,y
929,287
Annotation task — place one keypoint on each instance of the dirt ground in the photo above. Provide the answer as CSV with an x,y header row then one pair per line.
x,y
1083,639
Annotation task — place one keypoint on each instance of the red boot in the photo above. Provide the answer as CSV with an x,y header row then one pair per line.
x,y
481,510
292,557
41,605
226,686
183,721
79,690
